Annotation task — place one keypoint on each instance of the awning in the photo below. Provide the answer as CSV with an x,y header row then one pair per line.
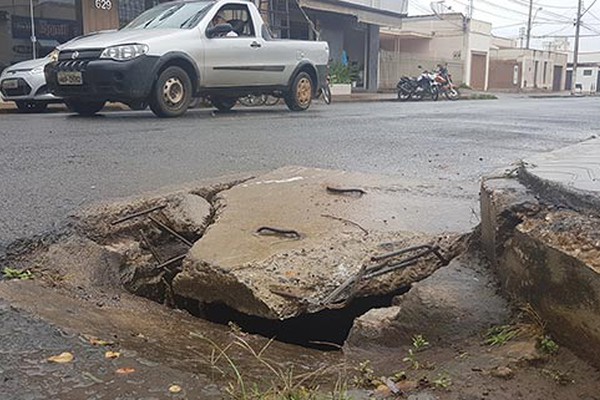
x,y
364,14
402,34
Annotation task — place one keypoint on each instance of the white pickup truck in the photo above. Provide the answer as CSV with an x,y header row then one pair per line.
x,y
219,49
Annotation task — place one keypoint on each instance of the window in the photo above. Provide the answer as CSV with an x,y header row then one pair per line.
x,y
239,18
171,15
587,72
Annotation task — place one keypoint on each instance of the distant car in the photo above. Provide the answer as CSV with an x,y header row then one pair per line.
x,y
25,84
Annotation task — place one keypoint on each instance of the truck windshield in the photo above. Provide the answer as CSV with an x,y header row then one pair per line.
x,y
169,15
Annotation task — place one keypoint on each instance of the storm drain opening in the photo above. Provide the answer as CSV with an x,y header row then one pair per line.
x,y
325,330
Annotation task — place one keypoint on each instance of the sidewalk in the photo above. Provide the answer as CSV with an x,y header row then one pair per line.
x,y
361,97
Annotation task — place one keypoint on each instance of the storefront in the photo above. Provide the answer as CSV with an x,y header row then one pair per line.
x,y
350,27
57,21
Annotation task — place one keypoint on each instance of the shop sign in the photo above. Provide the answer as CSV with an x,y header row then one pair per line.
x,y
60,30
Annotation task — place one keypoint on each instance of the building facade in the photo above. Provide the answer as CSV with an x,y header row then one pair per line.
x,y
428,40
473,55
518,69
351,28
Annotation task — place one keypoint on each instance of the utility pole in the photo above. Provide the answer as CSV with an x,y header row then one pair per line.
x,y
522,36
33,38
576,51
529,23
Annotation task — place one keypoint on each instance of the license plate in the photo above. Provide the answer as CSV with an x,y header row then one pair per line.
x,y
69,78
10,84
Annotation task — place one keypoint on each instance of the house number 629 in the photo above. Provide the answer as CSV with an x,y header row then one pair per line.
x,y
103,4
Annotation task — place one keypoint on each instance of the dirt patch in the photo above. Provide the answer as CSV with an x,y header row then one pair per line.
x,y
472,370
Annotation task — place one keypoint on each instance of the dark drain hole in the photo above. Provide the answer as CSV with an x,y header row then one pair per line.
x,y
324,330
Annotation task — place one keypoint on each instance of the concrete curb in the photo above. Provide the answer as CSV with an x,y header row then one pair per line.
x,y
539,230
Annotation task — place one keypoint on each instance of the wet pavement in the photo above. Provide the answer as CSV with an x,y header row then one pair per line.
x,y
158,348
54,163
26,374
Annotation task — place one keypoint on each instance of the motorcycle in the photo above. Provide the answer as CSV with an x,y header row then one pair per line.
x,y
445,85
418,88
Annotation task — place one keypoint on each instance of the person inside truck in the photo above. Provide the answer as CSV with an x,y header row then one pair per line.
x,y
220,20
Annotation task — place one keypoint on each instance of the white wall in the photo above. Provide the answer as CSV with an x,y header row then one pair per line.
x,y
588,82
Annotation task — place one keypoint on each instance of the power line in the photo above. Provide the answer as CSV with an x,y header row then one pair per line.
x,y
543,11
516,12
589,8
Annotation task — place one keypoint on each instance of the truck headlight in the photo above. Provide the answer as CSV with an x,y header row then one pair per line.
x,y
124,52
53,55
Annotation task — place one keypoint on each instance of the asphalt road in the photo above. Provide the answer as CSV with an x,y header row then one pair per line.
x,y
52,164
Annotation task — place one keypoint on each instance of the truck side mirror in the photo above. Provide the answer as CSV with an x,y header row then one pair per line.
x,y
219,30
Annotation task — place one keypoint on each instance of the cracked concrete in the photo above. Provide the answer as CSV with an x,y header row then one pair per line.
x,y
279,277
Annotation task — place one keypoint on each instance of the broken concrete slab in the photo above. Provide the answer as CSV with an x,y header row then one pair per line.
x,y
329,234
454,303
542,237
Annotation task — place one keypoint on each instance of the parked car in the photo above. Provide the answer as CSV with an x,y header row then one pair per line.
x,y
25,84
221,50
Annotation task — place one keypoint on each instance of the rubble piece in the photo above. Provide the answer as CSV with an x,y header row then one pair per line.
x,y
79,262
189,213
277,231
454,303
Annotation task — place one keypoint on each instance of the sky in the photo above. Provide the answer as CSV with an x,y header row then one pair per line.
x,y
554,19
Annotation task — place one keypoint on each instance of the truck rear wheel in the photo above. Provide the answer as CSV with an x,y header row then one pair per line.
x,y
172,93
300,95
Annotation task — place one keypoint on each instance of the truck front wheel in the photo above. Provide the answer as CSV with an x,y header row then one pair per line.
x,y
84,108
300,95
172,93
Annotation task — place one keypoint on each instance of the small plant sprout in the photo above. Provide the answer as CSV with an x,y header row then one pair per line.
x,y
419,343
500,335
547,345
366,375
11,273
443,381
412,360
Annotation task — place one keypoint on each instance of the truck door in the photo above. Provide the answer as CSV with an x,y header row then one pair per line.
x,y
233,60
